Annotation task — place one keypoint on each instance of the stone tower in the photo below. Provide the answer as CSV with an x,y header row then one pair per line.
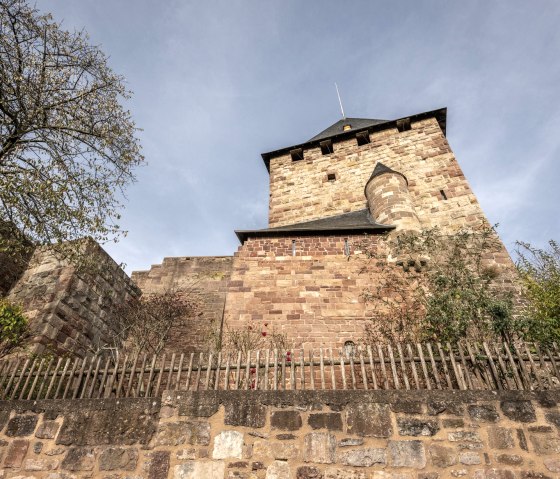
x,y
358,177
353,182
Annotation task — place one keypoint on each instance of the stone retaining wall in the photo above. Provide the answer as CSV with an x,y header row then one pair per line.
x,y
280,435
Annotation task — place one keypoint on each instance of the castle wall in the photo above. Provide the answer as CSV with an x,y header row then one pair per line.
x,y
285,435
203,278
300,191
68,311
314,297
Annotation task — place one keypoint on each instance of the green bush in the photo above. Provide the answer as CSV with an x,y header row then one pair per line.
x,y
13,325
539,270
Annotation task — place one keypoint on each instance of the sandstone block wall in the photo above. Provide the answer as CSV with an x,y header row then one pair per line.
x,y
286,435
300,191
204,278
69,311
314,297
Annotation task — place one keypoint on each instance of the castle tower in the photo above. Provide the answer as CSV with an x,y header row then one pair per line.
x,y
353,182
331,197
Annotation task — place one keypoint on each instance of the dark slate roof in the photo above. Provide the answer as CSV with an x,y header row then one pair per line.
x,y
373,125
338,127
352,223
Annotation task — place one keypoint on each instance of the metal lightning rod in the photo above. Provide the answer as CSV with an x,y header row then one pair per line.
x,y
340,101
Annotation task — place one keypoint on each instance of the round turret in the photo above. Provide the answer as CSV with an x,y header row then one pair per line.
x,y
389,200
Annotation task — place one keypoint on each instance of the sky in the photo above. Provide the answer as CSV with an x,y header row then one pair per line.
x,y
218,82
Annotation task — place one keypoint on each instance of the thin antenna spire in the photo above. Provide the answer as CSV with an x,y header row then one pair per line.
x,y
340,101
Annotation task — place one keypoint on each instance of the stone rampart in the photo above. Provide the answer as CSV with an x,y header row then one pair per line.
x,y
205,278
286,435
70,311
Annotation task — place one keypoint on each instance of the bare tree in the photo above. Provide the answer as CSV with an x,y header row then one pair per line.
x,y
67,144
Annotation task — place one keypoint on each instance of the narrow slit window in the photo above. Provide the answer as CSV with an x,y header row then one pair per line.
x,y
331,177
443,195
346,247
293,247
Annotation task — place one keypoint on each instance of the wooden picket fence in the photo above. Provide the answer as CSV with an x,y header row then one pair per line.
x,y
463,366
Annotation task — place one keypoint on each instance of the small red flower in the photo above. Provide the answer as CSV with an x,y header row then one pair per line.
x,y
253,370
264,333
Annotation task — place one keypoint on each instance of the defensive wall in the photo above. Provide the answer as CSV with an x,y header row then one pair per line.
x,y
69,310
206,280
285,435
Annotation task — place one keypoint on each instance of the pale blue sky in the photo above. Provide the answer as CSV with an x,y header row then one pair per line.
x,y
216,83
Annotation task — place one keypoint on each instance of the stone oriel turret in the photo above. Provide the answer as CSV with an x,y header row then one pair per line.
x,y
389,200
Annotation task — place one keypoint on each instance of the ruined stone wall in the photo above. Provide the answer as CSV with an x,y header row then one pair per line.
x,y
203,278
69,311
314,297
286,435
300,191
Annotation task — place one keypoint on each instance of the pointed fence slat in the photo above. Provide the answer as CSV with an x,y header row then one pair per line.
x,y
522,368
153,373
363,369
122,377
424,367
179,371
266,369
26,383
322,368
403,367
383,369
371,366
218,368
497,380
413,366
434,366
70,378
465,369
333,373
396,383
34,384
131,377
103,378
342,369
513,364
445,368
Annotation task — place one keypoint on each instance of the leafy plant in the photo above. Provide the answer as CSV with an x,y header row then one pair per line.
x,y
430,286
539,270
13,326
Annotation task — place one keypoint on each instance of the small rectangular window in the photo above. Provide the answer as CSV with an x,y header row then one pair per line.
x,y
346,247
443,195
403,125
297,154
326,147
293,247
362,137
331,177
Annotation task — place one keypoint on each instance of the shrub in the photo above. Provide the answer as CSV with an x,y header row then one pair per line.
x,y
13,326
539,270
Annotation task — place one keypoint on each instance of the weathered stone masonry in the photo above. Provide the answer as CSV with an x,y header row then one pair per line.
x,y
286,435
206,279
